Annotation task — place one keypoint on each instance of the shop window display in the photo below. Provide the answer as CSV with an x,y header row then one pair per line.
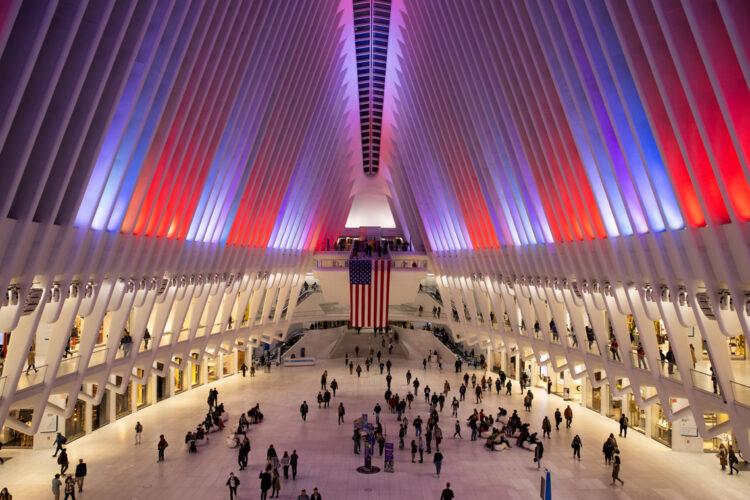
x,y
122,401
141,394
14,439
212,375
75,425
662,431
99,414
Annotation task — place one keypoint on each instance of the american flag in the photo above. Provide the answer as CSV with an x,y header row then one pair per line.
x,y
369,287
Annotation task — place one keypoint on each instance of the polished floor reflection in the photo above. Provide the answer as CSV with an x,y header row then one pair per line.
x,y
119,470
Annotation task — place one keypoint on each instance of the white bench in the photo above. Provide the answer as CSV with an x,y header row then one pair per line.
x,y
299,361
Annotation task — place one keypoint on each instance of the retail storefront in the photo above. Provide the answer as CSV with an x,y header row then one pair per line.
x,y
100,412
726,438
662,428
141,392
636,415
211,372
75,426
195,372
123,405
226,364
14,439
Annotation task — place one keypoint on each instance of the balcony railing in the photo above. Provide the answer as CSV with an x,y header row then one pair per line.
x,y
614,354
670,371
741,394
30,378
705,382
639,362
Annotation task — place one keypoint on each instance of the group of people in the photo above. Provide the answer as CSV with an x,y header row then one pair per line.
x,y
67,483
428,437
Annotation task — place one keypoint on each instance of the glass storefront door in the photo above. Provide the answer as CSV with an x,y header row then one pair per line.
x,y
211,370
141,392
226,364
195,372
99,413
122,401
636,416
662,431
75,425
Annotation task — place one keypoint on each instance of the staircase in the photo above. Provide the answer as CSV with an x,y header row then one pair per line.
x,y
365,340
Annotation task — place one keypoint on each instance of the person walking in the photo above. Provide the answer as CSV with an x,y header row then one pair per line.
x,y
732,461
576,445
31,360
447,493
420,447
161,447
438,460
408,377
62,461
623,425
5,494
56,484
722,456
538,452
546,427
285,464
265,482
244,370
293,461
458,430
303,495
70,488
359,371
276,483
81,471
316,495
616,471
558,419
232,482
138,432
334,385
413,451
60,440
342,411
568,417
303,409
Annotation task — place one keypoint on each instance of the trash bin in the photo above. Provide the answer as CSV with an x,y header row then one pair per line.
x,y
302,353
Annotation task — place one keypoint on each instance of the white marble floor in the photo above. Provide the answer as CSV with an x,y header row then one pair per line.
x,y
120,470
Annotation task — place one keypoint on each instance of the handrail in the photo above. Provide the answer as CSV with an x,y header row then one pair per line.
x,y
670,371
639,362
741,393
705,382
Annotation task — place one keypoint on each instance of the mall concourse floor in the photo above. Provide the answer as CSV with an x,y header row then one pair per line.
x,y
118,470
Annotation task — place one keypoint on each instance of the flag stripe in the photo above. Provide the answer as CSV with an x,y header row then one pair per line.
x,y
369,283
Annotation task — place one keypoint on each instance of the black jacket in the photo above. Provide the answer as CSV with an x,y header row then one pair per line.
x,y
265,480
81,470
